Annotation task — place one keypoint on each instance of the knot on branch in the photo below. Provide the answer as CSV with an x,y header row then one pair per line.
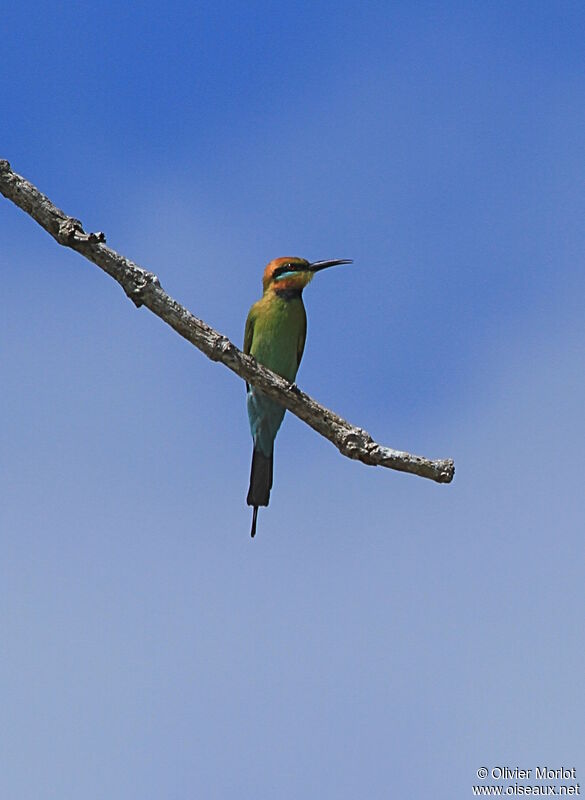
x,y
355,443
141,281
71,230
221,347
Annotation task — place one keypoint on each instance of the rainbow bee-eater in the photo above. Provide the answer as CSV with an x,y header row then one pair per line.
x,y
275,335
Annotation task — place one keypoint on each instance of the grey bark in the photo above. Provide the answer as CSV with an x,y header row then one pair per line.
x,y
143,288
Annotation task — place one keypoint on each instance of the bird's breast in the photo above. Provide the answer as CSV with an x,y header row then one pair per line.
x,y
277,331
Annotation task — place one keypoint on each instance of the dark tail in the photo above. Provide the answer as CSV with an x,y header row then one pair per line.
x,y
260,483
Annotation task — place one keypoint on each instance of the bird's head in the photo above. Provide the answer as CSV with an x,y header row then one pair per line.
x,y
292,274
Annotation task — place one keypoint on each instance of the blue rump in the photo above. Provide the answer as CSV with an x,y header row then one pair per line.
x,y
265,419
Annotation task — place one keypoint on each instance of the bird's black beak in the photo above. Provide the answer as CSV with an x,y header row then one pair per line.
x,y
317,265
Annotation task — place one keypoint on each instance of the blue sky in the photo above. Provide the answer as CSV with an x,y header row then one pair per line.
x,y
382,636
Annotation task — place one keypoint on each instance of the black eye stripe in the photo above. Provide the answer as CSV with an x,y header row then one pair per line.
x,y
281,270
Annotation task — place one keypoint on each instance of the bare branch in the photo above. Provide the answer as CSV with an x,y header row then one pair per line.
x,y
144,288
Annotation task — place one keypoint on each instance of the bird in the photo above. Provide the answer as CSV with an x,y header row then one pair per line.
x,y
275,334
